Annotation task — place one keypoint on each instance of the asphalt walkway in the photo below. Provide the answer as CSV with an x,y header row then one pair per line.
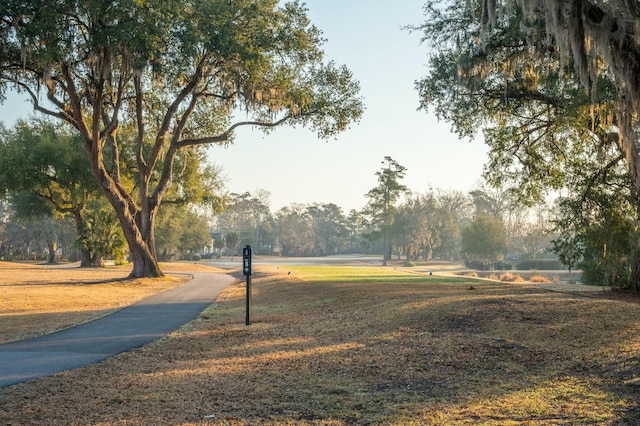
x,y
119,332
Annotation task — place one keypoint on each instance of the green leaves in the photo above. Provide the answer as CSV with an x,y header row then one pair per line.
x,y
484,239
510,82
42,158
143,81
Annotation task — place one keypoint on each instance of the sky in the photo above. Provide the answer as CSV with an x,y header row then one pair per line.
x,y
294,166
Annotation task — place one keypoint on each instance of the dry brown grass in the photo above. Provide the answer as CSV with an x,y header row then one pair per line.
x,y
537,278
511,278
36,299
341,353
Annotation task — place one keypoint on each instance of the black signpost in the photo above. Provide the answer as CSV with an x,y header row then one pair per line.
x,y
246,270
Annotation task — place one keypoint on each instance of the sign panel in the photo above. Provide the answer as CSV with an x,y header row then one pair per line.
x,y
246,260
246,270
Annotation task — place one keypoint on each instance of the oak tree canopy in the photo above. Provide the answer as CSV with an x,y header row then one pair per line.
x,y
147,83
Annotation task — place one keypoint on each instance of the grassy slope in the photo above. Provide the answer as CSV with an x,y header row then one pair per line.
x,y
337,346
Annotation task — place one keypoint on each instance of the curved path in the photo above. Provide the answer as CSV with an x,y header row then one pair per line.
x,y
121,331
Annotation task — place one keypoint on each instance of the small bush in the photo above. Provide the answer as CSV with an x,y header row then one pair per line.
x,y
511,278
408,263
539,279
492,277
471,274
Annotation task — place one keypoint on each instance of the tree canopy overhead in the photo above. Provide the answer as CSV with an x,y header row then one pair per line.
x,y
147,81
594,38
551,98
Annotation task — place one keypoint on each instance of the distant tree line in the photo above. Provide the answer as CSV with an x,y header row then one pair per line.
x,y
52,209
486,225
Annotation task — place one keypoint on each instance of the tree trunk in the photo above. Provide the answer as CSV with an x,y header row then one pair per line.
x,y
634,276
144,264
142,251
137,227
97,260
140,242
85,252
385,250
428,252
85,257
53,249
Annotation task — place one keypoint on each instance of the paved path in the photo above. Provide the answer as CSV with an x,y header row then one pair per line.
x,y
121,331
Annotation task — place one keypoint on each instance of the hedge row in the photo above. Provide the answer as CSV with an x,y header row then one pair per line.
x,y
523,265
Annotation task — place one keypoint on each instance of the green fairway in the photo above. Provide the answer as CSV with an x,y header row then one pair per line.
x,y
371,274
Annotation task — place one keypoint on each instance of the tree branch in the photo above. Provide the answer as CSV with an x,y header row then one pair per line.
x,y
171,111
599,173
224,136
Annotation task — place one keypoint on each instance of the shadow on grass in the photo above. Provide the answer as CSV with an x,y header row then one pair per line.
x,y
355,353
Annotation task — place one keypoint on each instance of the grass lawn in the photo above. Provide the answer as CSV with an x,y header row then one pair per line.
x,y
345,346
37,299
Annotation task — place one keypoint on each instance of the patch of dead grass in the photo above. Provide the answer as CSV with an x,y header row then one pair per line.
x,y
332,353
36,300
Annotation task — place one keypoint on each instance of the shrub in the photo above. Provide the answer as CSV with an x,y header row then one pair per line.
x,y
539,279
541,265
474,264
488,266
511,278
408,263
502,266
595,274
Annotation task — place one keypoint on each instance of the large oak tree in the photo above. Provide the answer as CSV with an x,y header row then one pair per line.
x,y
509,69
174,75
597,38
594,37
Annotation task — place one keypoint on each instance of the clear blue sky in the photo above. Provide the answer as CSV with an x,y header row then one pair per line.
x,y
296,167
